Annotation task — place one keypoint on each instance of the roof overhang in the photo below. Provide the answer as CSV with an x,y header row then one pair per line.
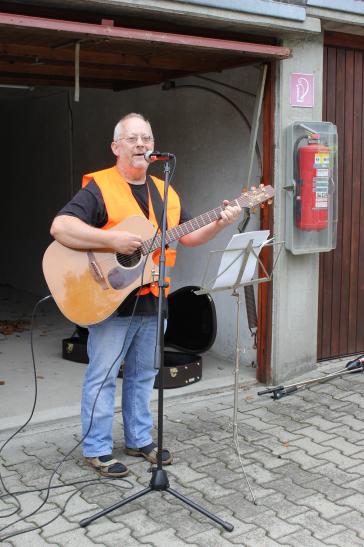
x,y
36,51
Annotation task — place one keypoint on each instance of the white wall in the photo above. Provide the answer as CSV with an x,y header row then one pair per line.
x,y
61,140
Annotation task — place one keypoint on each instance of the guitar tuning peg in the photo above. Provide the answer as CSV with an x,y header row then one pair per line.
x,y
262,205
270,201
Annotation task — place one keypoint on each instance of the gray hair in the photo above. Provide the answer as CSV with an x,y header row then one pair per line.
x,y
119,125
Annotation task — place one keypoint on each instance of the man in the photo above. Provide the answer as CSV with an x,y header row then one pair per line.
x,y
107,198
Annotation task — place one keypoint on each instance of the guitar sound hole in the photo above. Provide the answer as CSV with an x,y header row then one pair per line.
x,y
129,261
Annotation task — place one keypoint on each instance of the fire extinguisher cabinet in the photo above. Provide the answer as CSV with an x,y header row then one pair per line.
x,y
311,188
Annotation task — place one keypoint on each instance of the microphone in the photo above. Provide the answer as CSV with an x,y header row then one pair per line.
x,y
154,155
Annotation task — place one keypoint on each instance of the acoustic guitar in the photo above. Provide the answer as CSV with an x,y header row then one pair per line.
x,y
89,285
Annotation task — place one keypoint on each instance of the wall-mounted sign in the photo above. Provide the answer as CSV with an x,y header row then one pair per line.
x,y
302,90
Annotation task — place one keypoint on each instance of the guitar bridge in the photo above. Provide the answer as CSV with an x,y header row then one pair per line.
x,y
96,271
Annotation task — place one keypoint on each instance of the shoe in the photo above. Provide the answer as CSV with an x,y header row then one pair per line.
x,y
149,452
108,466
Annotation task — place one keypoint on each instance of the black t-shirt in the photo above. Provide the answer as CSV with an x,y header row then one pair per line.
x,y
88,205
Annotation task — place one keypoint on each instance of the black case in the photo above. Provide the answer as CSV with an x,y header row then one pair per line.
x,y
191,330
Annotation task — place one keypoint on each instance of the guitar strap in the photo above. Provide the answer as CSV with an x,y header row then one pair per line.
x,y
156,199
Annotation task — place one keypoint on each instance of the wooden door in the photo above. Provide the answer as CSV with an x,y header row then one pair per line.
x,y
341,290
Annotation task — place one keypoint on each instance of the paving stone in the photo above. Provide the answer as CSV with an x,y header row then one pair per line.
x,y
31,539
298,475
140,523
322,424
303,539
266,459
316,434
275,527
352,502
242,506
257,538
331,491
291,490
241,528
346,538
278,446
318,526
186,521
76,537
356,398
259,474
167,537
336,457
353,423
324,507
185,474
282,506
211,489
310,447
16,456
212,538
356,484
285,422
352,520
193,457
325,400
347,448
303,459
336,475
57,527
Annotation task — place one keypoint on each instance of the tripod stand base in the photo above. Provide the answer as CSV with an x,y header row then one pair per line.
x,y
159,482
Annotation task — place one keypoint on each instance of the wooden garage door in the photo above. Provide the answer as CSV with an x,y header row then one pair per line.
x,y
341,293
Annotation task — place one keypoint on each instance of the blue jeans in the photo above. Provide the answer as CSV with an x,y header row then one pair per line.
x,y
104,344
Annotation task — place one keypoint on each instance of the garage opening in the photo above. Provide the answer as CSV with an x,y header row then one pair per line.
x,y
63,87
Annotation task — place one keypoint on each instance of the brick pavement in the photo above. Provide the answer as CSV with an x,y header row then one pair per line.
x,y
303,456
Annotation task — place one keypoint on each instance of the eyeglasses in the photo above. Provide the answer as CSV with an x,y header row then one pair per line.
x,y
133,139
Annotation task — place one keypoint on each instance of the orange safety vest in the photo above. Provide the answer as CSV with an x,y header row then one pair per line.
x,y
121,204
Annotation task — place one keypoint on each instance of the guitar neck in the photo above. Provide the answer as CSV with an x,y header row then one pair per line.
x,y
248,199
182,229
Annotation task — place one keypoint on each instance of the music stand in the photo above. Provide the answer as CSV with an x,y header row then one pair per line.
x,y
238,267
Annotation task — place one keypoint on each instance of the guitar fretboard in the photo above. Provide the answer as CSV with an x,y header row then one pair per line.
x,y
247,199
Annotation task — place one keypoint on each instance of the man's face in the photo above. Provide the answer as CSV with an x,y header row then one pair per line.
x,y
135,140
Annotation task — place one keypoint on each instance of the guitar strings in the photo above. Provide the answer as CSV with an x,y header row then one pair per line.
x,y
125,260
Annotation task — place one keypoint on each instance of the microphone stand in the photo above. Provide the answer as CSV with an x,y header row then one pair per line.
x,y
159,480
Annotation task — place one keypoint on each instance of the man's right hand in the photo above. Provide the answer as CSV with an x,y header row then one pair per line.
x,y
73,232
125,242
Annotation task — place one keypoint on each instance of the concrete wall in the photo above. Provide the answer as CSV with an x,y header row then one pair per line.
x,y
48,142
295,300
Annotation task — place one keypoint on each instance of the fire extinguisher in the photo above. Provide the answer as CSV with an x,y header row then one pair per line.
x,y
311,173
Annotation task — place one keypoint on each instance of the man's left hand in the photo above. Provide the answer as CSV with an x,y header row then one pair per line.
x,y
230,213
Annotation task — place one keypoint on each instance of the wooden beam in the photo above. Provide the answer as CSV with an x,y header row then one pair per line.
x,y
81,30
178,62
43,80
338,39
85,72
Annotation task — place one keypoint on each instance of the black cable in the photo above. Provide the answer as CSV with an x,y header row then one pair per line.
x,y
93,407
224,84
34,400
41,526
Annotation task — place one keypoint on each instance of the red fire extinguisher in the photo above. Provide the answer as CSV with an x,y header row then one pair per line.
x,y
312,166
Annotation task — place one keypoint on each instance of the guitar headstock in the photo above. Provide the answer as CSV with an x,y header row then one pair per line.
x,y
260,195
